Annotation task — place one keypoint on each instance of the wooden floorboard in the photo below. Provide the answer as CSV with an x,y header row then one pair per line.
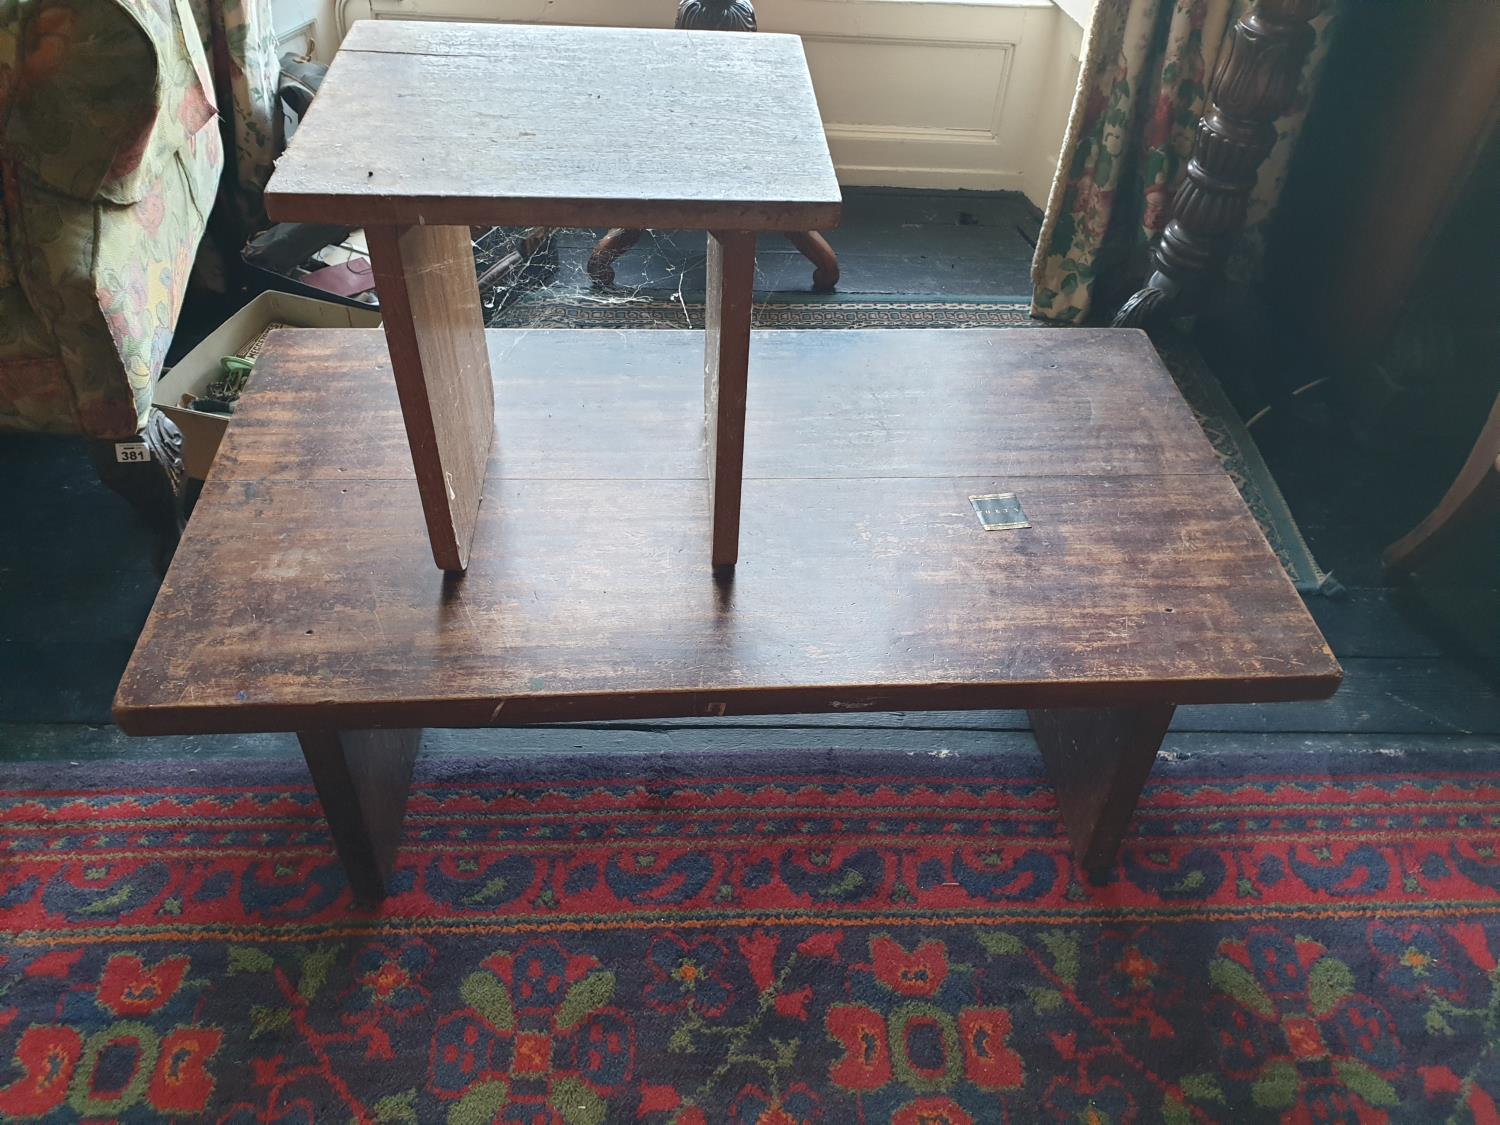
x,y
1378,696
63,681
1376,622
74,746
1398,698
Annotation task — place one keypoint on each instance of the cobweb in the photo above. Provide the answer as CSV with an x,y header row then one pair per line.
x,y
540,278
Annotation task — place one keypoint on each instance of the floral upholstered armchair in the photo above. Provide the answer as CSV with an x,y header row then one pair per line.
x,y
110,156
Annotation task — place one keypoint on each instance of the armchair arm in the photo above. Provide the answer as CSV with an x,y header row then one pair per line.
x,y
108,281
102,94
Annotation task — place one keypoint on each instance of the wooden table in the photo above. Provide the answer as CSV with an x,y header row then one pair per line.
x,y
302,597
422,129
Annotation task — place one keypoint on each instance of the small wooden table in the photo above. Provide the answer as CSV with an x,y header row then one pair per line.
x,y
717,15
421,130
302,597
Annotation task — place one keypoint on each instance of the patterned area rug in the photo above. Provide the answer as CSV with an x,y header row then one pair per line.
x,y
827,943
1231,440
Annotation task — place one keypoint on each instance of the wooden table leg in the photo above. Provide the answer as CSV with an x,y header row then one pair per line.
x,y
1097,760
618,241
434,326
812,245
731,279
362,777
815,248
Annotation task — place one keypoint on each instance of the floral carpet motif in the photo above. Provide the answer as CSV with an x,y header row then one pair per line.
x,y
861,945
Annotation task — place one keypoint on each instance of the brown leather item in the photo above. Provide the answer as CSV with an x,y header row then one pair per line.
x,y
347,279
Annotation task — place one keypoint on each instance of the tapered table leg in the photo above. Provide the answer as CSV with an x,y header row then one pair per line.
x,y
362,778
1097,760
429,303
731,279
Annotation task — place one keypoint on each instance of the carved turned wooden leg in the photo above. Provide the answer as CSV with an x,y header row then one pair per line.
x,y
362,777
536,241
434,326
812,245
731,278
1474,494
716,15
1254,83
1097,760
815,249
616,243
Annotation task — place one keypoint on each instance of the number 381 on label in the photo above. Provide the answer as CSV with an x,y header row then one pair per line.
x,y
131,452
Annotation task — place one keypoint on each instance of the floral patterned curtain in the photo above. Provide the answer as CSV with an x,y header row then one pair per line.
x,y
241,45
1140,93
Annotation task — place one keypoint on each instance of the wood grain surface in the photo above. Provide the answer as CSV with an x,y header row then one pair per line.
x,y
435,330
449,123
726,369
362,778
303,595
588,404
1097,761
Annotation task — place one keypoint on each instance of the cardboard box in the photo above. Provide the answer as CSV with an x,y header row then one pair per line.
x,y
201,431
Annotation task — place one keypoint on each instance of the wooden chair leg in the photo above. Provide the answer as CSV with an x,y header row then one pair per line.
x,y
1097,760
536,241
613,245
362,778
812,245
731,281
815,249
1475,493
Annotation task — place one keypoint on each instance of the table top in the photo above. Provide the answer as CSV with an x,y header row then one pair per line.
x,y
303,593
522,125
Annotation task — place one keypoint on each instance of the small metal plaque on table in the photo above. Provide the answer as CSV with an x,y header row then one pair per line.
x,y
1000,511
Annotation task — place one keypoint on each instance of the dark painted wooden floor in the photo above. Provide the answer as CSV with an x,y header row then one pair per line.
x,y
891,242
76,580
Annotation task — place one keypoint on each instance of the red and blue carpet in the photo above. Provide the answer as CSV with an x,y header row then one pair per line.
x,y
1317,942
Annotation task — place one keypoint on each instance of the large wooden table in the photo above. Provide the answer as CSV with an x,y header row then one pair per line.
x,y
303,597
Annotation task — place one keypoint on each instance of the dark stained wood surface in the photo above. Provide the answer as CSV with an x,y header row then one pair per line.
x,y
362,778
448,123
864,403
1435,111
434,327
866,582
1098,761
731,279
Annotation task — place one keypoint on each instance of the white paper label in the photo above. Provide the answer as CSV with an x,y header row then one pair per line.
x,y
131,452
